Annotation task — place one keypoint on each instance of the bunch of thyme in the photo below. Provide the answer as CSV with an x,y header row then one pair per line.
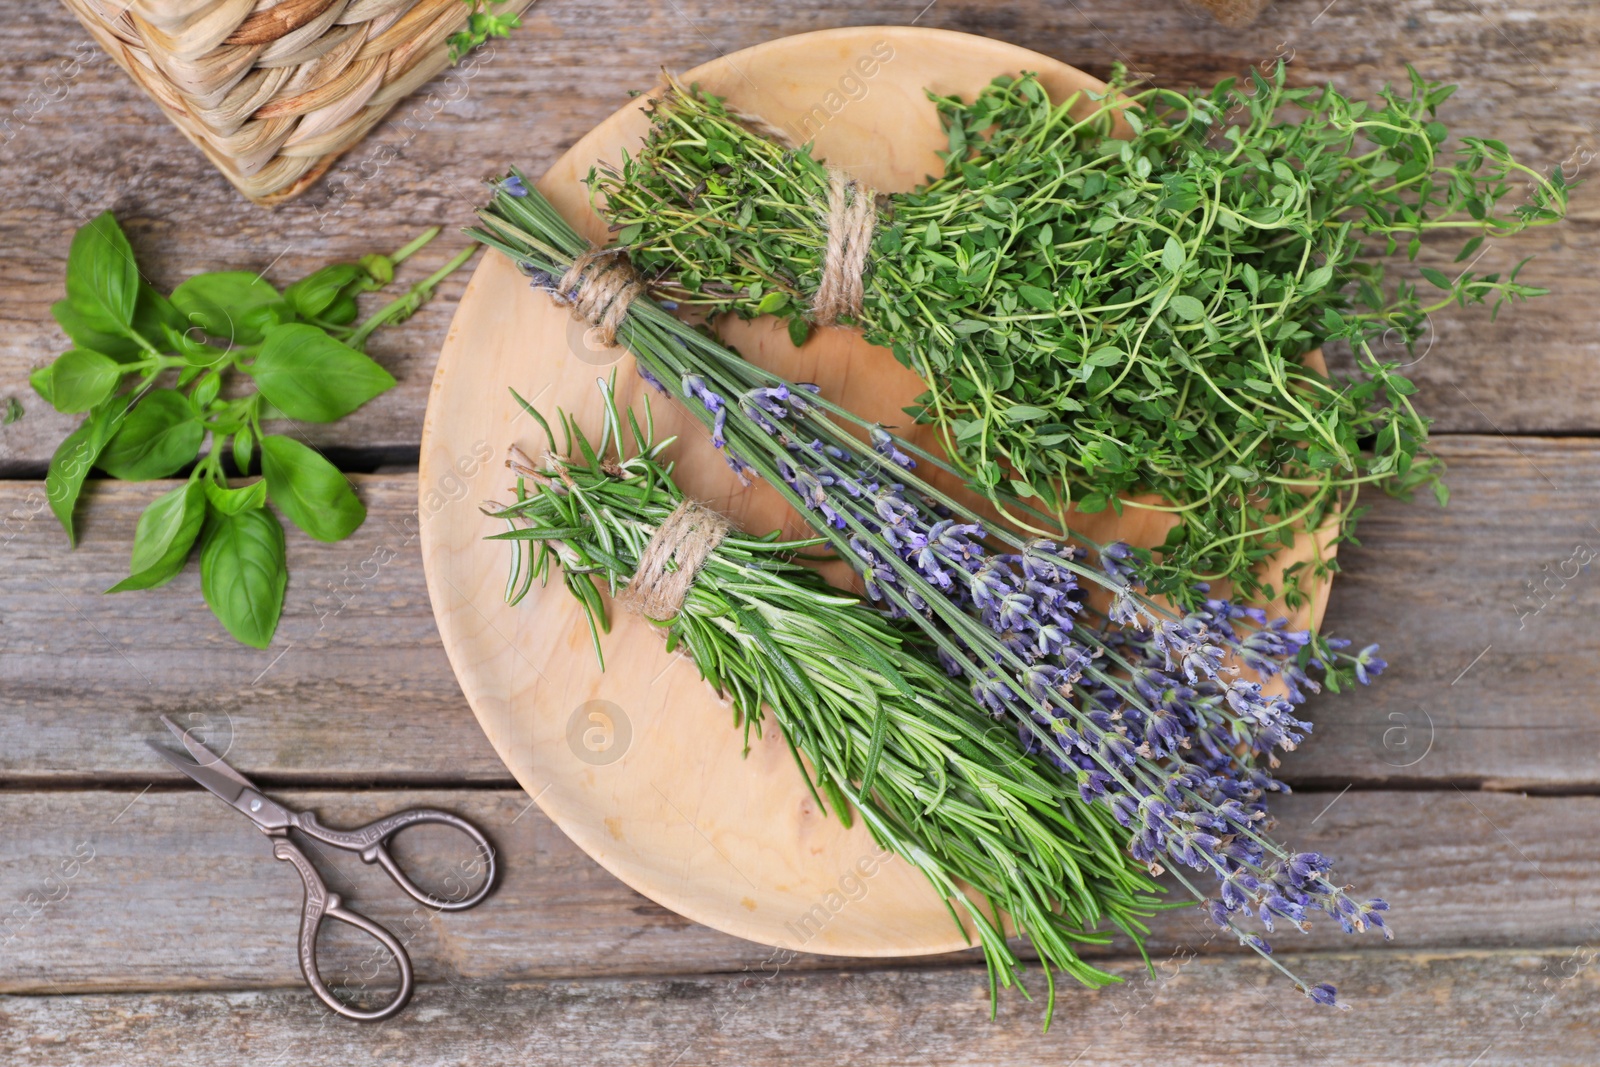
x,y
872,722
1145,707
1097,317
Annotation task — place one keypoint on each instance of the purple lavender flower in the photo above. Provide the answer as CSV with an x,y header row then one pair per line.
x,y
1323,993
1368,665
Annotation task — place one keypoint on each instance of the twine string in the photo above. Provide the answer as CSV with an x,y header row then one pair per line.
x,y
851,218
672,559
598,288
850,215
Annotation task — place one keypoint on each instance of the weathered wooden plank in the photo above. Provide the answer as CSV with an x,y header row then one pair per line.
x,y
357,686
77,138
1505,1009
1489,683
113,890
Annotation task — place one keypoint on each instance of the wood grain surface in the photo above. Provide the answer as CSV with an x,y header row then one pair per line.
x,y
1511,1008
1475,695
173,944
219,913
75,140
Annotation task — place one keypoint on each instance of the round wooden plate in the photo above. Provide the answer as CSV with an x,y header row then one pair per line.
x,y
640,764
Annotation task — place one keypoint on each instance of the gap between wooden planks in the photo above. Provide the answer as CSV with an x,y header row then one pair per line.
x,y
171,892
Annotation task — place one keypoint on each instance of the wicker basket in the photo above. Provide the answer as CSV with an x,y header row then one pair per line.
x,y
274,90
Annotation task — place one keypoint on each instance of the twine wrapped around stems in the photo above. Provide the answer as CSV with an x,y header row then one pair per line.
x,y
852,217
672,559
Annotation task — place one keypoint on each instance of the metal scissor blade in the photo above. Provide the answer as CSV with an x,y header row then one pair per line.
x,y
222,786
205,757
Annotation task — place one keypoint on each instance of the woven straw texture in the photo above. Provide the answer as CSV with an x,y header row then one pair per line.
x,y
274,90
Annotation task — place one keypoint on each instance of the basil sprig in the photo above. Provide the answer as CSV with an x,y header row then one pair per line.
x,y
149,372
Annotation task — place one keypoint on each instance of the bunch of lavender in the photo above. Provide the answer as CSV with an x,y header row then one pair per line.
x,y
1146,708
857,695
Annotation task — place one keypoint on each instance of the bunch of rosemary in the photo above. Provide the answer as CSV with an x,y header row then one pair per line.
x,y
1147,709
1096,317
872,722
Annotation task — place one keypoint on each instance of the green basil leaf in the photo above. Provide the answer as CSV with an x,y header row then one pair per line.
x,y
243,447
204,393
311,295
43,381
243,573
161,433
153,315
79,379
102,278
229,304
379,268
312,492
83,334
233,501
308,375
75,455
163,538
342,312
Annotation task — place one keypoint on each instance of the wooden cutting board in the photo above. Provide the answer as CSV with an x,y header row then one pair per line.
x,y
641,765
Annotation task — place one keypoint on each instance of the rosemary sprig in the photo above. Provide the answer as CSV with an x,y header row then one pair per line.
x,y
873,722
1097,317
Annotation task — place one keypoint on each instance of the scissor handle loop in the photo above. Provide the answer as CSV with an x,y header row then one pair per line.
x,y
372,840
320,905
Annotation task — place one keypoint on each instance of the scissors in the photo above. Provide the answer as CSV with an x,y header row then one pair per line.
x,y
370,842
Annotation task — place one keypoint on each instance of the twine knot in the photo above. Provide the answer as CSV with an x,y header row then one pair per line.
x,y
851,218
672,559
598,288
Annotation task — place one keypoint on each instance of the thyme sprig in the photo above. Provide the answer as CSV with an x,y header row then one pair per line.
x,y
1099,317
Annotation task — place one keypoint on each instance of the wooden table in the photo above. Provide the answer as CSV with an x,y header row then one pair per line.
x,y
1462,787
